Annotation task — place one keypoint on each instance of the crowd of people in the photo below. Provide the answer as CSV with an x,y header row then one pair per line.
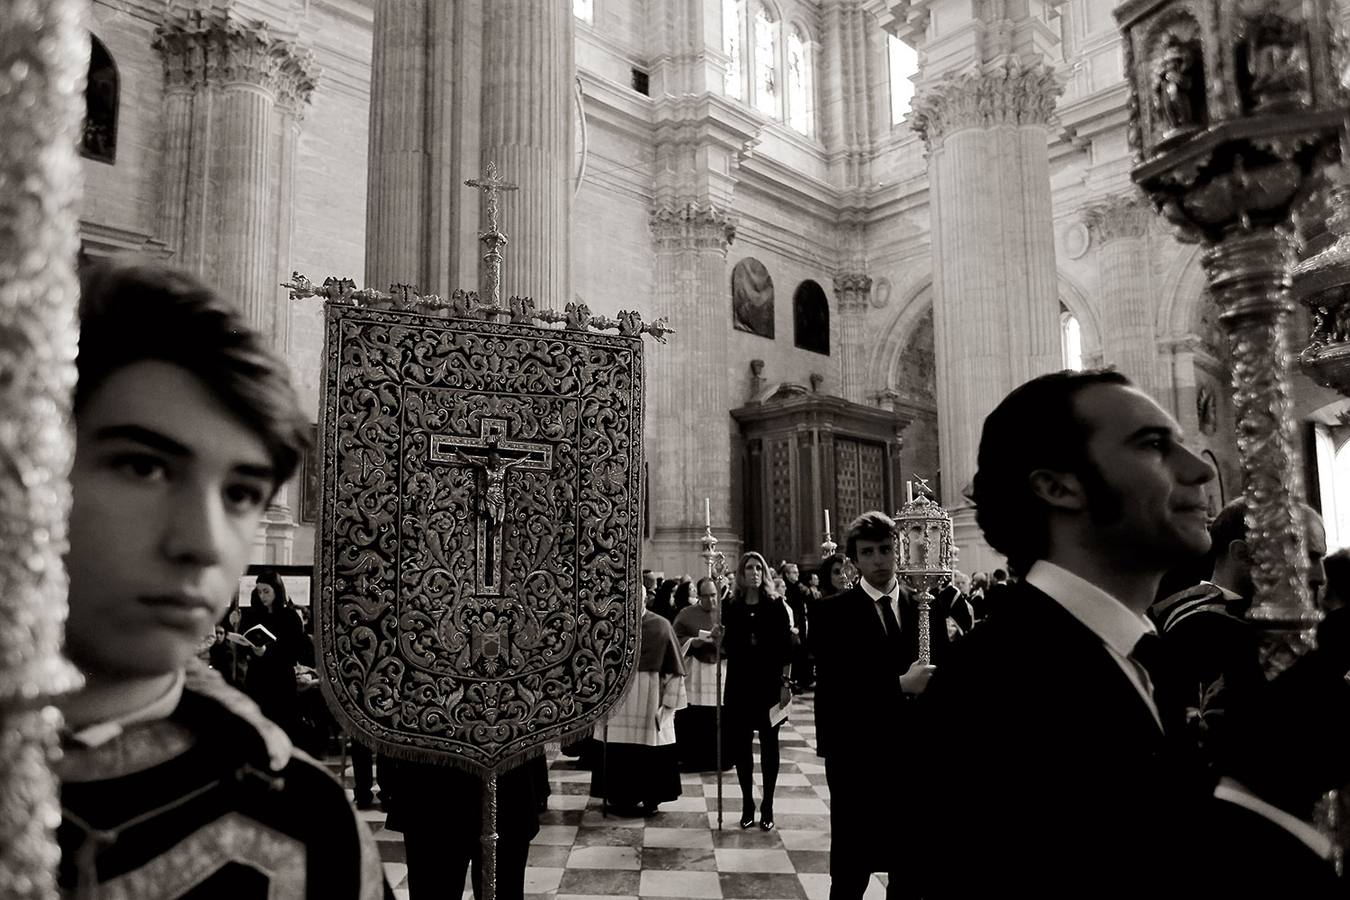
x,y
1086,728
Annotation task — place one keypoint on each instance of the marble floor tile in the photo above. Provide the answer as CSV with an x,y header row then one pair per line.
x,y
599,881
545,855
804,840
732,859
680,884
678,859
689,838
609,836
810,861
559,835
760,886
540,879
603,858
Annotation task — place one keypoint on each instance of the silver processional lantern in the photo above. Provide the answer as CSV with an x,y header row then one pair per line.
x,y
1236,111
925,555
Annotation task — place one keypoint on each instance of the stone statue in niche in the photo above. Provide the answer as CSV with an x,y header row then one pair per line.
x,y
1178,85
756,377
1276,65
752,297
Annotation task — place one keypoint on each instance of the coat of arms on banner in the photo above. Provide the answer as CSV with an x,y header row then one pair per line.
x,y
481,522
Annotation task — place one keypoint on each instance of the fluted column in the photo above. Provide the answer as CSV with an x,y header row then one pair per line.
x,y
528,106
44,53
1119,226
691,457
852,292
995,295
233,71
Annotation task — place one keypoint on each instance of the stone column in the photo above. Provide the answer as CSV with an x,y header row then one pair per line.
x,y
44,53
995,296
852,293
691,459
416,203
527,121
233,71
1119,226
235,96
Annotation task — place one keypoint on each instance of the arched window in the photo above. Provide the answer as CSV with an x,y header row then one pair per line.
x,y
101,98
801,107
811,318
733,19
904,65
766,62
584,10
1070,339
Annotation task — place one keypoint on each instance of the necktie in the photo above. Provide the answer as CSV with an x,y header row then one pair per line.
x,y
891,623
1151,654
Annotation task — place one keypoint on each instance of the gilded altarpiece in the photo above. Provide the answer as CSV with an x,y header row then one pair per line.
x,y
481,520
803,453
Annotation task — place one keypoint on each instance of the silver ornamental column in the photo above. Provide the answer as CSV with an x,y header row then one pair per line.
x,y
44,56
1235,108
925,555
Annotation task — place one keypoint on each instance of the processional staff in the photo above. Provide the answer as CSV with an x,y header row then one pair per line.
x,y
925,555
717,569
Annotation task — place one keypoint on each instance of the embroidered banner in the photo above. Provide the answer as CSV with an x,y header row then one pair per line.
x,y
480,529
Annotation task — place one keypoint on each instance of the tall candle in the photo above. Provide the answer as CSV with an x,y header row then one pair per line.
x,y
827,521
707,512
909,492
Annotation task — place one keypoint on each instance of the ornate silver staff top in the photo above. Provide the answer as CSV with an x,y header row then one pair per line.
x,y
925,553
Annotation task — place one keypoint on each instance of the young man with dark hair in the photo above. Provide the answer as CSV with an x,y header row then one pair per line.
x,y
866,645
1060,708
173,783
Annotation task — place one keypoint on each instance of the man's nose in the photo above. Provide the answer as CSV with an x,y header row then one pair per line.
x,y
1193,468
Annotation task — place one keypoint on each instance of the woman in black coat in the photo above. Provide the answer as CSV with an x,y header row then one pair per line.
x,y
758,647
270,679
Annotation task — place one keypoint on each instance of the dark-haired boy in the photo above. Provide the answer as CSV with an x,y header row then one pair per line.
x,y
866,644
1061,710
172,783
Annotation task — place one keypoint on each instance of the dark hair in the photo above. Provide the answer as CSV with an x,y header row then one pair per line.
x,y
134,313
682,594
272,580
1000,575
1228,526
870,526
826,567
1337,566
1034,427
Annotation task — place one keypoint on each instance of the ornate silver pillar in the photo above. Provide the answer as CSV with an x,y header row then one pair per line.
x,y
1234,110
44,54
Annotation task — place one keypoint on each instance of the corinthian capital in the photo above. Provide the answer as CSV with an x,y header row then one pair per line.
x,y
202,47
1118,216
853,289
692,226
1010,93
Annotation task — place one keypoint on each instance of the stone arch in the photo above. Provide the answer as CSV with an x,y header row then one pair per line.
x,y
1184,294
1074,298
102,98
885,357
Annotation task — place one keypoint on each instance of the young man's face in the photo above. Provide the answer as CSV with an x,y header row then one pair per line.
x,y
1146,496
168,490
875,561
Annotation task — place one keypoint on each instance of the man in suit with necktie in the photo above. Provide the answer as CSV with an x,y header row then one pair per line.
x,y
866,644
1081,782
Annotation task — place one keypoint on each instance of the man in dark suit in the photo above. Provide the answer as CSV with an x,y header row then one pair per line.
x,y
1080,780
866,644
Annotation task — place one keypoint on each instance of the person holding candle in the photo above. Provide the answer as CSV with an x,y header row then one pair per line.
x,y
697,630
758,645
866,648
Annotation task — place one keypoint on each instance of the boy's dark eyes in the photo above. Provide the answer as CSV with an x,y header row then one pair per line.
x,y
246,495
141,466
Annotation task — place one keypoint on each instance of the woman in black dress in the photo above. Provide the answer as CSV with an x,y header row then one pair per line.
x,y
270,678
758,646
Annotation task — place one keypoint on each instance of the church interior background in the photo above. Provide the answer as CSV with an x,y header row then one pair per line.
x,y
866,219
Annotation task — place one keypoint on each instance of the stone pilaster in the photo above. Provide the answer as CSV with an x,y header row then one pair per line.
x,y
234,100
852,292
1119,226
527,121
995,294
690,459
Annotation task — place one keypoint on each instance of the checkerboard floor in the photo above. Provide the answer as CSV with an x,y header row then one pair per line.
x,y
581,854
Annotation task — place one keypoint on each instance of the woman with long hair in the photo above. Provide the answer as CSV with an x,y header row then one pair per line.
x,y
270,679
758,646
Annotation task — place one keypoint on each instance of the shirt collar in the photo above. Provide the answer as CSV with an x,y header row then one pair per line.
x,y
102,732
1103,615
1228,595
892,589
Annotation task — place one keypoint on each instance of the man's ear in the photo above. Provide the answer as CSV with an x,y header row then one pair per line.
x,y
1061,490
1240,552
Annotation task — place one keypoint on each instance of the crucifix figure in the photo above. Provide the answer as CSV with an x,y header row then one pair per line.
x,y
493,240
494,455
